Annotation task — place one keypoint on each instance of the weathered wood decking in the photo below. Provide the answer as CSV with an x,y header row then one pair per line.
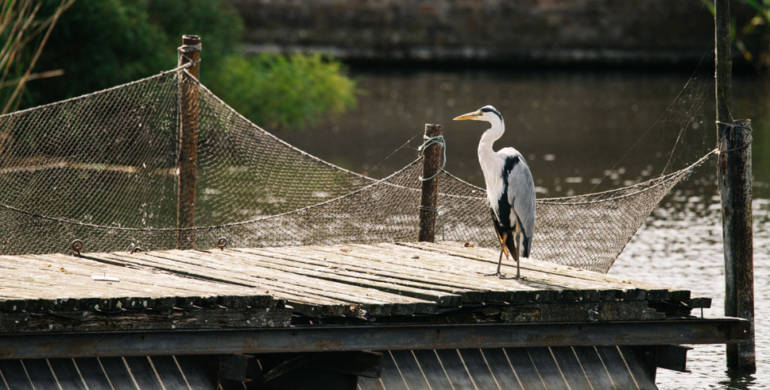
x,y
311,285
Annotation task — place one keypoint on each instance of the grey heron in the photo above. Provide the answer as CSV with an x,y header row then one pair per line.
x,y
510,188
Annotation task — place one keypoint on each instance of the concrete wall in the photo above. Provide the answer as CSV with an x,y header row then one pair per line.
x,y
528,31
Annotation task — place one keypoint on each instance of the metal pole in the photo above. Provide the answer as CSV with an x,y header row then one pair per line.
x,y
431,163
189,52
734,178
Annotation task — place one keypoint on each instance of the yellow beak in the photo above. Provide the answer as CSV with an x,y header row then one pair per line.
x,y
468,117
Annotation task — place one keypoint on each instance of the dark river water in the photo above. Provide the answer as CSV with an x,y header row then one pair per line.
x,y
585,132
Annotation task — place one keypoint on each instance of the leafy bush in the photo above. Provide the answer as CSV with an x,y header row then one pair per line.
x,y
102,43
283,91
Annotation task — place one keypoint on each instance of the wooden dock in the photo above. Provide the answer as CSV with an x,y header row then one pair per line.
x,y
278,287
342,299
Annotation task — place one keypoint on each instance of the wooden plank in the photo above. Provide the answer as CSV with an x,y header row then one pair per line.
x,y
455,369
362,277
483,289
48,279
389,291
371,300
391,376
253,274
410,370
66,373
432,369
533,278
427,261
549,371
133,281
292,293
404,266
185,269
489,255
343,281
91,370
14,374
524,368
339,257
578,284
551,274
142,372
502,369
568,365
479,370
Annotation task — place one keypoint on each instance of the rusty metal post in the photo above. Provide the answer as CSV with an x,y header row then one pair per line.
x,y
431,164
189,92
734,178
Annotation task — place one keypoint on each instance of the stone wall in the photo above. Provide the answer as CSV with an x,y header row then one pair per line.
x,y
569,31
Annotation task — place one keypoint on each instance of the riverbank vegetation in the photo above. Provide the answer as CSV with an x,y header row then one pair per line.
x,y
98,44
751,36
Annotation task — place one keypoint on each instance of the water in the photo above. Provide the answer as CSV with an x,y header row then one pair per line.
x,y
585,132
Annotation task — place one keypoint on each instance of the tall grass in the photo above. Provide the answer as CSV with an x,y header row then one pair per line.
x,y
24,33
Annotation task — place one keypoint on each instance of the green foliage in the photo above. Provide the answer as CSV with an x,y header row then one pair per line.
x,y
283,91
750,37
102,43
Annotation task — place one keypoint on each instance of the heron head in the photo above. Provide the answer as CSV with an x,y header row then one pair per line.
x,y
486,113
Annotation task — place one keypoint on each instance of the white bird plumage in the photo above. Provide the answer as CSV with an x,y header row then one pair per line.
x,y
510,188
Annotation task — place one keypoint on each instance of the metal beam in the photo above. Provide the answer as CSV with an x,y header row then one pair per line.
x,y
358,338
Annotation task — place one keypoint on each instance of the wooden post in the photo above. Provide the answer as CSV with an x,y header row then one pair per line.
x,y
431,163
734,178
190,51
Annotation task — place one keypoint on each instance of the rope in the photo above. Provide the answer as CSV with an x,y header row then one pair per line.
x,y
300,210
97,93
747,142
428,141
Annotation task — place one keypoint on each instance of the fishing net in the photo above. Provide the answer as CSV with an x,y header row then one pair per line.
x,y
104,169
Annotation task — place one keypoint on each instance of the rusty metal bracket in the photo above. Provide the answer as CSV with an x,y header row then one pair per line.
x,y
76,246
133,248
222,243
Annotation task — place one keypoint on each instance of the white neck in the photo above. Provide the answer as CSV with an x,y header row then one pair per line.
x,y
489,137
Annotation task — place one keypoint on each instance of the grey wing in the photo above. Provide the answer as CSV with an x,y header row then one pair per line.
x,y
521,195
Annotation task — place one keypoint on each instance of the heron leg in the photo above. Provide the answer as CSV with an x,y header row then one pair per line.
x,y
517,249
499,263
500,259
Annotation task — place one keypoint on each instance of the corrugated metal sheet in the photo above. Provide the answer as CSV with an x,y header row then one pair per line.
x,y
110,373
553,368
543,368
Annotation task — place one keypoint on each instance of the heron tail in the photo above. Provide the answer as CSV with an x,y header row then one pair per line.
x,y
526,244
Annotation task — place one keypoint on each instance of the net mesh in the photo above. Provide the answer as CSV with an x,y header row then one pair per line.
x,y
103,168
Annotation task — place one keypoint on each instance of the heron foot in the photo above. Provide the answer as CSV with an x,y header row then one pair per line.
x,y
502,275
